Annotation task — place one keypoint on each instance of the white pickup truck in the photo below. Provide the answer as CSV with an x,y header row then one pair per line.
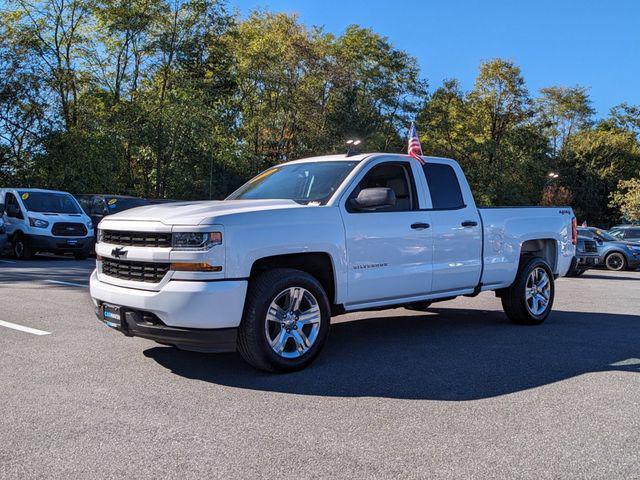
x,y
264,270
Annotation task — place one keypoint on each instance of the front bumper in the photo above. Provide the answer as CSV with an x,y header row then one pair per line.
x,y
180,304
192,315
43,243
135,323
588,261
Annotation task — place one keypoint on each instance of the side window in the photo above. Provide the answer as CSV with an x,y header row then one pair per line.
x,y
443,186
397,177
12,207
99,207
633,233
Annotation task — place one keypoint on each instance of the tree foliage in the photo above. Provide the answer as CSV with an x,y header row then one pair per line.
x,y
182,99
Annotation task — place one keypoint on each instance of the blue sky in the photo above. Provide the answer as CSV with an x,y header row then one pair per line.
x,y
564,42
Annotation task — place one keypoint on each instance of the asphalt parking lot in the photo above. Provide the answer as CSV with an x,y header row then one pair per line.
x,y
454,393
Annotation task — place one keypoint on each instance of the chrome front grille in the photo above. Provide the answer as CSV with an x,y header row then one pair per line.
x,y
149,272
136,239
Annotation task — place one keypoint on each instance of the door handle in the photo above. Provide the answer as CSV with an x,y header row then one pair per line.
x,y
419,226
469,223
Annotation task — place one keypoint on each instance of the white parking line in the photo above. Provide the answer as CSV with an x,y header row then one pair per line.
x,y
22,328
59,282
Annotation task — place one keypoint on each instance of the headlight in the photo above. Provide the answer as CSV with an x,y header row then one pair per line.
x,y
99,236
36,222
196,240
89,225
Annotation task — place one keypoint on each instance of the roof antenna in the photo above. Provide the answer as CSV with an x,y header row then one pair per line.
x,y
353,148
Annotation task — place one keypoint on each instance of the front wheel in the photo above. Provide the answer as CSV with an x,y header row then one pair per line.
x,y
615,261
529,300
285,322
21,248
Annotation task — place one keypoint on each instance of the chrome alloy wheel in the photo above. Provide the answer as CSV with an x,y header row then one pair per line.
x,y
292,322
538,291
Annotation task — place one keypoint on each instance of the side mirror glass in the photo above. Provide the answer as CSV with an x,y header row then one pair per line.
x,y
374,199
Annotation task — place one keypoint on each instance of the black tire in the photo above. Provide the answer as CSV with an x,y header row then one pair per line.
x,y
252,340
615,261
21,248
419,306
514,301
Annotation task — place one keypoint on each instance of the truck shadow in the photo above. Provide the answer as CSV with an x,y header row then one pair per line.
x,y
446,354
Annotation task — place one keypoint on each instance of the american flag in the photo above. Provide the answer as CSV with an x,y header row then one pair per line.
x,y
415,150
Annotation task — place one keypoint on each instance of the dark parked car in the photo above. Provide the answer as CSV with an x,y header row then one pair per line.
x,y
616,254
630,233
99,206
587,256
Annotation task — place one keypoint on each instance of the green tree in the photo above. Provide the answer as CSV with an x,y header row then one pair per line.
x,y
595,161
562,112
627,199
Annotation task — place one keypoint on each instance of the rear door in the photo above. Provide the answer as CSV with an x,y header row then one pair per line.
x,y
389,251
457,232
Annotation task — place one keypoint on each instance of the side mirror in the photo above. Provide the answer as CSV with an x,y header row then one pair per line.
x,y
374,198
13,211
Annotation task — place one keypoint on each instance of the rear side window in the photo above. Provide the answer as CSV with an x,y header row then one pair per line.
x,y
443,186
633,233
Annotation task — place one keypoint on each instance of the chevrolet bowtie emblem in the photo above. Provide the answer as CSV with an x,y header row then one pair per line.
x,y
118,252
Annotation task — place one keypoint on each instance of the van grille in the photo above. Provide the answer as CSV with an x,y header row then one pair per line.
x,y
136,271
64,229
136,239
590,246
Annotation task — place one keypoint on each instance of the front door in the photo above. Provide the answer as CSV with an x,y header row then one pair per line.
x,y
389,250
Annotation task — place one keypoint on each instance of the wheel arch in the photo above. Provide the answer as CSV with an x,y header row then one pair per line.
x,y
545,248
317,264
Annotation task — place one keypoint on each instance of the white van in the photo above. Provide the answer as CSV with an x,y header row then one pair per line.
x,y
45,221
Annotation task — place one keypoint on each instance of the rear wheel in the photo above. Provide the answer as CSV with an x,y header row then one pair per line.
x,y
21,249
285,322
529,300
615,261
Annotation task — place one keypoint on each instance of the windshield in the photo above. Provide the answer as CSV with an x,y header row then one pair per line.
x,y
48,202
302,182
115,204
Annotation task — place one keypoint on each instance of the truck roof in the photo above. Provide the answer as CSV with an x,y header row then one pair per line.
x,y
356,158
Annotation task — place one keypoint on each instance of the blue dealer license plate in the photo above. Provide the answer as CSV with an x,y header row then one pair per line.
x,y
111,315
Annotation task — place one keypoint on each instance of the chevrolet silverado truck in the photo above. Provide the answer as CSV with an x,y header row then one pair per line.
x,y
263,271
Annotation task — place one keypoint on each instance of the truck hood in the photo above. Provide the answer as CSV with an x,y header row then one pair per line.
x,y
199,212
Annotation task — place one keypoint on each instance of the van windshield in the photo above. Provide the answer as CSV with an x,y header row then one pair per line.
x,y
48,202
302,182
